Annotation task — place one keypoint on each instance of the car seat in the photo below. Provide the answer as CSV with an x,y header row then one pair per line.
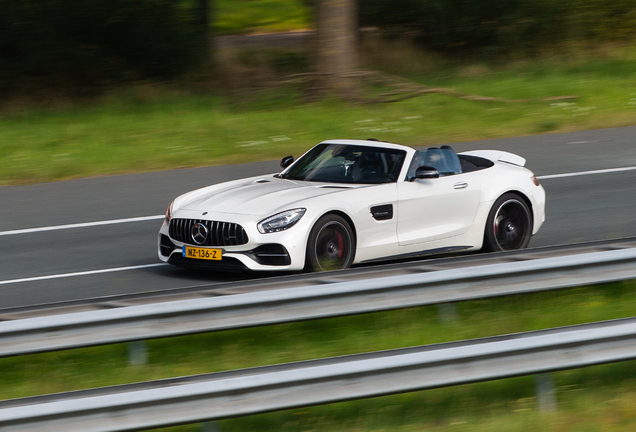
x,y
370,167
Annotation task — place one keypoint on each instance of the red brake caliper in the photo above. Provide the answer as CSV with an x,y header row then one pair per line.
x,y
340,245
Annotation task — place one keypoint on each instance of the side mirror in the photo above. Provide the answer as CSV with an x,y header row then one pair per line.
x,y
286,161
425,172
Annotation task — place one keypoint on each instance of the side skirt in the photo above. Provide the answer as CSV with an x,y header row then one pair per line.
x,y
420,253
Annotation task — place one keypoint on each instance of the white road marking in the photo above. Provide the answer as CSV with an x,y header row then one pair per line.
x,y
156,217
582,173
146,218
84,273
81,225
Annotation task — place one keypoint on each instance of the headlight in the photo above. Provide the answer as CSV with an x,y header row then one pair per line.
x,y
169,212
280,221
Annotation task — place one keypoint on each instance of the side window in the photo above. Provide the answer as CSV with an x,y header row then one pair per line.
x,y
418,160
442,159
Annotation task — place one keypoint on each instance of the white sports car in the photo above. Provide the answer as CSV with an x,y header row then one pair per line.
x,y
350,201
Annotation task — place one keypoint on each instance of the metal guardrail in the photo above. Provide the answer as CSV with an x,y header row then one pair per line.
x,y
250,391
310,302
256,282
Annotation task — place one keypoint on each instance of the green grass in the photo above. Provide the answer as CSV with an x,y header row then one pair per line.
x,y
595,399
249,16
603,393
153,127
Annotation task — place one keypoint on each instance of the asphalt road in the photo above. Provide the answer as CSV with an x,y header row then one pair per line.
x,y
582,207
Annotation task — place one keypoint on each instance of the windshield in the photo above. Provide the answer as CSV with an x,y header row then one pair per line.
x,y
340,163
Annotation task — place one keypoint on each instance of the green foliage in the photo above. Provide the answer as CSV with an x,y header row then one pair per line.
x,y
502,25
87,42
148,127
249,16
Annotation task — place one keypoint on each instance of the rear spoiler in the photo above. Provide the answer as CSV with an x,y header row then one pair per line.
x,y
497,155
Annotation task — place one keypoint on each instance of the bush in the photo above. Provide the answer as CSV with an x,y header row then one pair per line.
x,y
87,42
502,25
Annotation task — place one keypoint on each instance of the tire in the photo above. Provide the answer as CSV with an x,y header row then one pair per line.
x,y
331,245
509,224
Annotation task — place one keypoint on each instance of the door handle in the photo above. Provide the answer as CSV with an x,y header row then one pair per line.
x,y
460,185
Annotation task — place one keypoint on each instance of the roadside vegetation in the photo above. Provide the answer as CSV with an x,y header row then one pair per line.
x,y
589,399
157,126
130,88
264,16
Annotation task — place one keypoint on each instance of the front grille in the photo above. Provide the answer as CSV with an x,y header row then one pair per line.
x,y
219,233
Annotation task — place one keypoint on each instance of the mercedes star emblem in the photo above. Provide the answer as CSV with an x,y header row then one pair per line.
x,y
199,233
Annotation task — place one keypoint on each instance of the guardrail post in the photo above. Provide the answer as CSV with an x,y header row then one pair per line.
x,y
137,353
447,312
546,396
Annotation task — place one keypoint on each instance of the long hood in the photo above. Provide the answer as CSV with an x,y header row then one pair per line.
x,y
262,195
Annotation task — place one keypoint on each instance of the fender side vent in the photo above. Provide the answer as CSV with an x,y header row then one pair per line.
x,y
382,212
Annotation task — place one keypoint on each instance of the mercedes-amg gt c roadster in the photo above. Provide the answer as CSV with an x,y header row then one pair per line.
x,y
349,201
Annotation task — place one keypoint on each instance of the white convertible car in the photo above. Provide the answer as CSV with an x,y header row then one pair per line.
x,y
348,201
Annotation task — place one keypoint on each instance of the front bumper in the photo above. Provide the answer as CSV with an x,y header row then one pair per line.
x,y
281,251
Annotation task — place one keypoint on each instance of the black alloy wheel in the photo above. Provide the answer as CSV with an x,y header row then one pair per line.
x,y
331,244
509,224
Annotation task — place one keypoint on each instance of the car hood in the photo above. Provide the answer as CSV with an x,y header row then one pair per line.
x,y
260,196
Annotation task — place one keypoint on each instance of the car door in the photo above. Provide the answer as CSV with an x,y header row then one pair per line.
x,y
434,209
374,214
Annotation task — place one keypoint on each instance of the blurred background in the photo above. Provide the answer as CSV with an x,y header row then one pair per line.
x,y
101,87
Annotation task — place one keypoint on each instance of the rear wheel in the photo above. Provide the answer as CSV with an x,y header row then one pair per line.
x,y
509,225
331,245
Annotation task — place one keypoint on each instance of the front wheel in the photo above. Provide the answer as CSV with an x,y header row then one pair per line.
x,y
331,245
509,224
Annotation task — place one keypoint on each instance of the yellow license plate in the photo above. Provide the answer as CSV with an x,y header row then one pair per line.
x,y
202,253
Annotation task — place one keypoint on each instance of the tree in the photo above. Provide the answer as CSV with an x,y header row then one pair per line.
x,y
336,45
204,15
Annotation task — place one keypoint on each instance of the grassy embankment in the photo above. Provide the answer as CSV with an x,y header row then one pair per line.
x,y
592,399
154,127
260,16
